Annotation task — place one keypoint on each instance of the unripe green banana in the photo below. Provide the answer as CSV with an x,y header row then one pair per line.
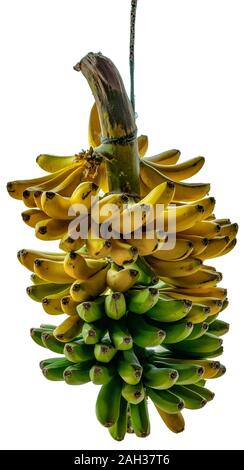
x,y
206,345
118,430
78,374
219,328
169,310
129,367
166,400
187,373
142,300
120,335
108,402
93,332
204,392
92,310
36,335
159,378
115,305
140,418
53,360
78,351
101,374
176,332
192,400
39,291
50,342
143,333
147,276
104,352
55,371
133,393
198,330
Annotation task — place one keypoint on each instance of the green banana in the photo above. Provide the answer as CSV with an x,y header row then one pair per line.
x,y
36,335
119,428
108,402
93,332
115,305
100,374
133,393
159,378
204,392
129,367
142,300
78,374
140,418
146,274
192,400
187,373
53,360
169,310
50,342
55,371
198,330
91,311
39,291
104,352
120,335
219,328
166,400
206,345
176,332
143,333
78,351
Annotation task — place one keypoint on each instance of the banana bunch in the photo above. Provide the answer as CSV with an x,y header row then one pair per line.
x,y
140,303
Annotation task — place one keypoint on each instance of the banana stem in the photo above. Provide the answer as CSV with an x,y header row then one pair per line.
x,y
132,51
119,143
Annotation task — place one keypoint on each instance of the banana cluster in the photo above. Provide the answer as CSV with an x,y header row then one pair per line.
x,y
142,316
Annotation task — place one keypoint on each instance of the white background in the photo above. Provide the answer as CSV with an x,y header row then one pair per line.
x,y
189,95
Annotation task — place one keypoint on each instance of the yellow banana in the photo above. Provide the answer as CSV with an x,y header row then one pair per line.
x,y
94,128
110,206
57,206
199,292
229,230
142,142
182,249
67,243
53,163
144,245
52,303
69,329
202,278
68,305
214,248
51,229
174,421
77,267
122,253
32,216
169,157
121,280
28,257
228,248
175,268
52,271
81,291
183,191
97,247
180,171
16,188
205,228
199,244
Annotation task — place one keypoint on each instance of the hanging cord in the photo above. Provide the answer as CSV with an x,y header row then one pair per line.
x,y
132,51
